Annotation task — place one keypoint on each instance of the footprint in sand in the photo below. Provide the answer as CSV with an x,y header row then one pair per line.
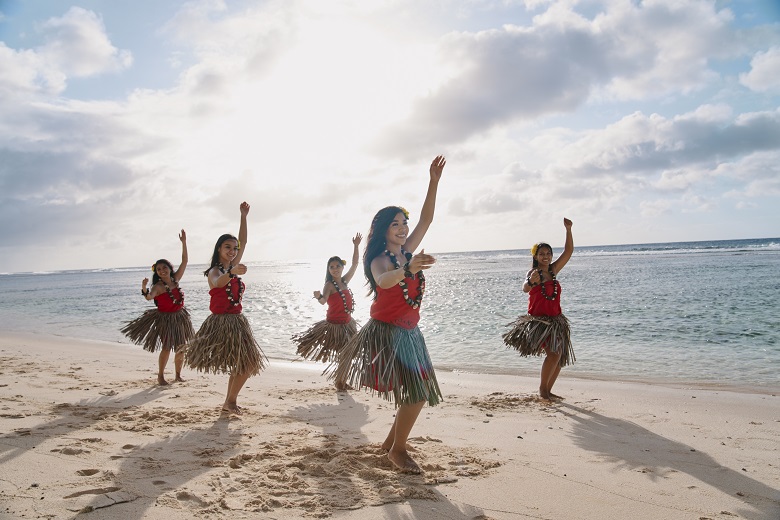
x,y
87,472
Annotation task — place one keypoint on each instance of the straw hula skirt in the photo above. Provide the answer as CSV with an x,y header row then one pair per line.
x,y
225,344
530,334
324,340
155,329
392,361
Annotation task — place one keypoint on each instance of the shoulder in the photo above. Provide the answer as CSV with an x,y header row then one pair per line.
x,y
382,263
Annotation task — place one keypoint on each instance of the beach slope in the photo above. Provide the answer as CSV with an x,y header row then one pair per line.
x,y
86,432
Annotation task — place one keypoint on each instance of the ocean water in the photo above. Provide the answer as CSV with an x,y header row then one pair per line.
x,y
693,312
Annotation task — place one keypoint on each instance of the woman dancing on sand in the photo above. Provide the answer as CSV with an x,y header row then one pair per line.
x,y
225,342
168,326
325,339
389,354
545,328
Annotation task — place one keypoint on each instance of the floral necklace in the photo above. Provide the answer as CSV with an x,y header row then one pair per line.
x,y
241,287
555,284
413,303
347,308
170,292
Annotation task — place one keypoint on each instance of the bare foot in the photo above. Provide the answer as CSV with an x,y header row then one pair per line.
x,y
232,408
545,395
161,381
404,462
342,386
555,396
179,379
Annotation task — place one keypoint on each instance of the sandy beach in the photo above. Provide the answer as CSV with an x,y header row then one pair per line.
x,y
87,433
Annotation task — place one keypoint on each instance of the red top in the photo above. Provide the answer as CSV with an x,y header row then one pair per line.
x,y
219,300
538,305
336,312
165,302
391,307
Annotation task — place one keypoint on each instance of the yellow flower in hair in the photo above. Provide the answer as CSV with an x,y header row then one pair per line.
x,y
239,244
534,249
405,212
154,267
343,262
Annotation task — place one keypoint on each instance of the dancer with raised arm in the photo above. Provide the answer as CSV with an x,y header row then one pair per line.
x,y
324,340
544,329
168,326
225,342
389,354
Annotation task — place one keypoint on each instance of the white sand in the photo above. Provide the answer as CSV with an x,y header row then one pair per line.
x,y
84,428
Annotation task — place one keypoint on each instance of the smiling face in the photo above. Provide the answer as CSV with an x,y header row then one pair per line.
x,y
398,230
228,251
335,268
162,270
544,257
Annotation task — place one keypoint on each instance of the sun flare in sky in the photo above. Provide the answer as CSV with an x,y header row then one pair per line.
x,y
124,122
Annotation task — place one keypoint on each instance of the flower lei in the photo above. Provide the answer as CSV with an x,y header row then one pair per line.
x,y
241,287
347,309
170,292
413,303
555,284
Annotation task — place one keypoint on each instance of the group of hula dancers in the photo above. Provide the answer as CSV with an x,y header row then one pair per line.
x,y
387,355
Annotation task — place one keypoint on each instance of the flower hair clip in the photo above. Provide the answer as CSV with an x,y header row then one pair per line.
x,y
534,249
343,262
154,267
239,244
404,211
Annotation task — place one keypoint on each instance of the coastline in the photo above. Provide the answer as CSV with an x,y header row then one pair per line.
x,y
86,427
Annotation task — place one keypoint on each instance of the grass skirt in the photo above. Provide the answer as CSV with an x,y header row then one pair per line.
x,y
392,361
154,329
225,344
324,340
529,334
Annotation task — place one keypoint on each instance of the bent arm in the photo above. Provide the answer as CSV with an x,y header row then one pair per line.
x,y
568,249
429,206
184,257
242,233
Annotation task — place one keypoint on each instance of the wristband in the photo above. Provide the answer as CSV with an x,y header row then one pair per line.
x,y
407,272
145,293
529,282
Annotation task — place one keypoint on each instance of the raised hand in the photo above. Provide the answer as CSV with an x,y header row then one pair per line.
x,y
143,284
421,261
567,223
238,269
437,167
317,295
244,209
183,236
357,239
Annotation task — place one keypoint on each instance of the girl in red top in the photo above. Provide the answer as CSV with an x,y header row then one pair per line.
x,y
225,342
389,354
325,339
168,326
545,328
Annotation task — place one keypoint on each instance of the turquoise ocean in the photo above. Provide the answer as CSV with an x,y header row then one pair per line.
x,y
681,313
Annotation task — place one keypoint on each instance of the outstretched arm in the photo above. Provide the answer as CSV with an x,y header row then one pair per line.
x,y
429,206
568,249
183,265
355,258
242,233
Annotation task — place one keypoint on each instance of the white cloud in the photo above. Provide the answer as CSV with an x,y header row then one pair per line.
x,y
764,75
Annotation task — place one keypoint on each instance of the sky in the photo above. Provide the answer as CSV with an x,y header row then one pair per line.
x,y
124,121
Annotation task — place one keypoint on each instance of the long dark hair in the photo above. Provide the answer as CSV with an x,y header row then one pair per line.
x,y
538,247
328,277
215,254
377,241
156,277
